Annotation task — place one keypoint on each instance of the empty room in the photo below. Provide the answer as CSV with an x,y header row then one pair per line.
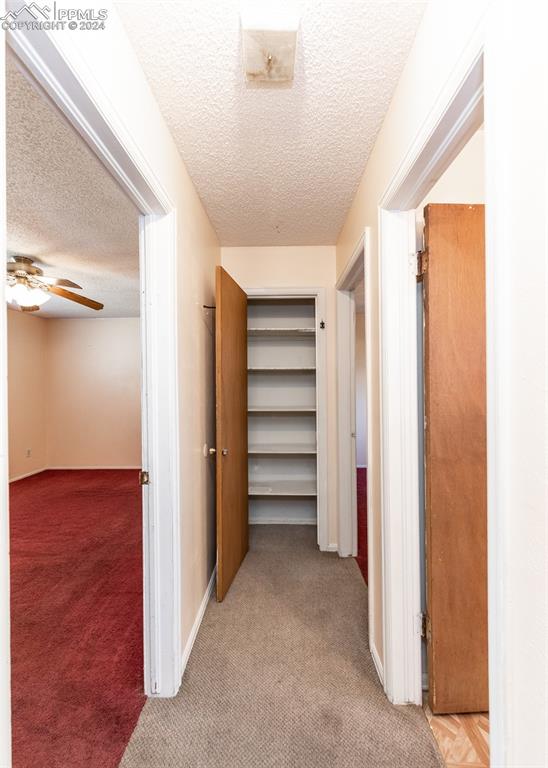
x,y
74,416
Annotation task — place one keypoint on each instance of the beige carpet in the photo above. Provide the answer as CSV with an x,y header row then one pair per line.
x,y
281,677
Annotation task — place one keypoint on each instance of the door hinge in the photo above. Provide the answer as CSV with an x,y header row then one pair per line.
x,y
422,264
322,324
144,478
425,626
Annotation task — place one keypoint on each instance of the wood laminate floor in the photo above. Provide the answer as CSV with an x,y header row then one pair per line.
x,y
463,739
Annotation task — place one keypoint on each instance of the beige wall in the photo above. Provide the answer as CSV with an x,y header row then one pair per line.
x,y
93,392
27,402
445,31
74,393
197,402
299,267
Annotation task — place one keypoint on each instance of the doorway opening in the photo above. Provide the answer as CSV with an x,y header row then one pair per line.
x,y
355,357
282,408
453,453
441,138
74,441
69,86
395,605
360,426
271,416
65,80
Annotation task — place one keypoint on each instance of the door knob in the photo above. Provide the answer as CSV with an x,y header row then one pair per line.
x,y
212,451
225,451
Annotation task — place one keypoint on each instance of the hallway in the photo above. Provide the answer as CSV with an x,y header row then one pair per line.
x,y
280,674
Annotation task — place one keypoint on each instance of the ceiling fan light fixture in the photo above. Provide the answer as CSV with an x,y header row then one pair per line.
x,y
24,296
29,288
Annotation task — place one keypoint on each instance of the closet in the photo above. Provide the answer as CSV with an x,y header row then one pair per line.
x,y
271,452
282,397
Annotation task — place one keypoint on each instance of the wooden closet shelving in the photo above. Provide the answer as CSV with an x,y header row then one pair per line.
x,y
282,410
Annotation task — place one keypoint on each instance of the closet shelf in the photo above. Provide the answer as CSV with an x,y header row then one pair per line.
x,y
283,488
282,369
282,450
281,409
281,331
279,449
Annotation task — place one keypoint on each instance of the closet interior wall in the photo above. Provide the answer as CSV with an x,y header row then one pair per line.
x,y
282,402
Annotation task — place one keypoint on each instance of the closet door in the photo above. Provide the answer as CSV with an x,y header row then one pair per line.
x,y
231,382
455,458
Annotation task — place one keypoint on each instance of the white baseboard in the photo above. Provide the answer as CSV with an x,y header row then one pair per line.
x,y
280,521
197,621
377,663
95,467
46,469
27,474
331,548
361,466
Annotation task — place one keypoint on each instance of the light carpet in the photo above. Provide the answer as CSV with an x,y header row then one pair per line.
x,y
281,675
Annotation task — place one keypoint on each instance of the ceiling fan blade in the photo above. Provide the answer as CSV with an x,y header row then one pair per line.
x,y
62,281
75,297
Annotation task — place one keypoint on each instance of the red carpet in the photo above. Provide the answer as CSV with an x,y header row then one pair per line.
x,y
76,613
361,559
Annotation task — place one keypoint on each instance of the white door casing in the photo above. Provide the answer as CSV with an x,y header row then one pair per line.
x,y
446,130
57,68
357,270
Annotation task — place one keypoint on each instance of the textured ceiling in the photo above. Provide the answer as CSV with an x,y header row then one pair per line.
x,y
65,210
274,165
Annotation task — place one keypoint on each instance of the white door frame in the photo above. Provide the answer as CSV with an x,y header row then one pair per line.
x,y
5,637
318,294
346,417
458,115
79,97
357,270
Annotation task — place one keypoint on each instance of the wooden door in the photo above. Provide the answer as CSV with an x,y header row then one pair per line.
x,y
455,457
231,450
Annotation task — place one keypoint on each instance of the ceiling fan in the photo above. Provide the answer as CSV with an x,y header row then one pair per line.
x,y
29,288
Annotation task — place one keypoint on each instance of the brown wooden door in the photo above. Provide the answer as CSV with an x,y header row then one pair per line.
x,y
455,457
231,451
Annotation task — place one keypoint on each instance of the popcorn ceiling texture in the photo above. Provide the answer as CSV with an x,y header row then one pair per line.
x,y
274,165
64,208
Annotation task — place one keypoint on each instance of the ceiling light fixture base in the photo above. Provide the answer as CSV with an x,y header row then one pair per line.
x,y
269,46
